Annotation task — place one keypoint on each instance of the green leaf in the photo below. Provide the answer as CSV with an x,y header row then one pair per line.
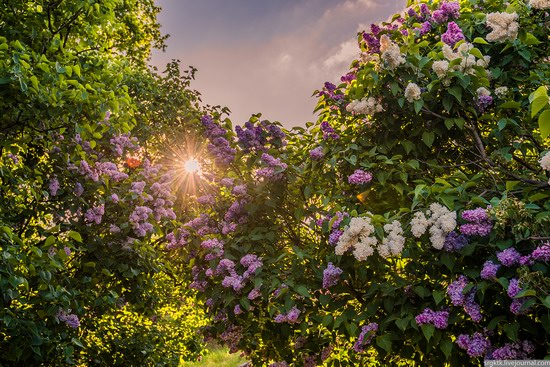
x,y
384,342
438,296
446,347
544,123
418,105
510,104
456,92
428,331
480,41
511,184
302,290
531,40
475,51
75,236
526,293
428,138
538,104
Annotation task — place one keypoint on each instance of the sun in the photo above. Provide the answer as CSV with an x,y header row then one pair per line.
x,y
192,165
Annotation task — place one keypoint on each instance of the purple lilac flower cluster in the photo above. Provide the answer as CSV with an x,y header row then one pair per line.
x,y
454,242
509,257
139,220
95,214
519,350
455,291
235,216
203,225
359,177
53,186
197,283
215,246
291,317
453,34
479,223
541,253
316,153
328,131
365,337
476,345
78,189
71,320
329,90
219,146
274,169
231,337
483,102
121,142
232,279
517,303
446,12
335,232
331,276
348,78
489,270
255,137
439,319
177,239
207,199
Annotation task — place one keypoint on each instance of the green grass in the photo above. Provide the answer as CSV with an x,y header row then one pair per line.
x,y
217,357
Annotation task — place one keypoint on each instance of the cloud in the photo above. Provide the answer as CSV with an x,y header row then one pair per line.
x,y
277,74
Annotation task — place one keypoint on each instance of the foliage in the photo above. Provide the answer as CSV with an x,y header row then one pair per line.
x,y
426,163
80,245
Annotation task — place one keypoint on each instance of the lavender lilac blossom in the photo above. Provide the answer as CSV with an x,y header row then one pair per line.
x,y
489,270
331,276
509,257
479,223
368,331
454,242
453,34
359,177
328,131
476,345
440,319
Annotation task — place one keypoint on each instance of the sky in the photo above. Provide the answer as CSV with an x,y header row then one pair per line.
x,y
266,56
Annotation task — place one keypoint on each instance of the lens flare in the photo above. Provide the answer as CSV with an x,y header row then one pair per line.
x,y
192,166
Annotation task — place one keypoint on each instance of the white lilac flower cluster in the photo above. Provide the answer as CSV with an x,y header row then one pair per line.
x,y
540,4
412,92
359,235
504,26
394,242
391,53
440,220
545,163
501,92
442,67
366,106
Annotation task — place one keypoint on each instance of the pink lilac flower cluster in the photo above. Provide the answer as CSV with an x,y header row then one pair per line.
x,y
453,34
328,131
316,153
254,293
219,146
520,350
291,317
439,319
232,279
365,337
509,257
359,177
476,345
71,320
455,291
489,270
277,291
479,223
454,242
121,142
274,169
252,263
331,276
95,214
